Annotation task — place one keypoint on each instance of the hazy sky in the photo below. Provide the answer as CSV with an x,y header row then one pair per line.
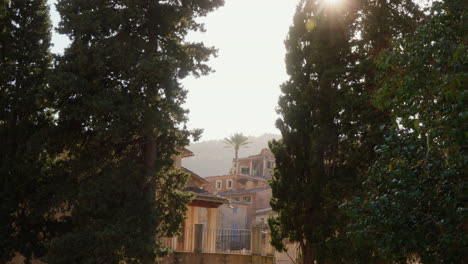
x,y
242,94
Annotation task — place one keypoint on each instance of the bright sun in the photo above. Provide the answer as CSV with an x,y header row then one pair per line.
x,y
333,2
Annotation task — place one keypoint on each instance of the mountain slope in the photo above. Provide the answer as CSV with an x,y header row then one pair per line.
x,y
213,158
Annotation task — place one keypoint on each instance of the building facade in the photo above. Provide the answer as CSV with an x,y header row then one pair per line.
x,y
260,165
223,183
253,192
202,210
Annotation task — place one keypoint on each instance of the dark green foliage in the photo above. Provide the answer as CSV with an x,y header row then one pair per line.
x,y
120,120
26,218
113,218
318,48
328,123
415,205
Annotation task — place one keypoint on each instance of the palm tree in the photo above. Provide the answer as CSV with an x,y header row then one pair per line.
x,y
236,141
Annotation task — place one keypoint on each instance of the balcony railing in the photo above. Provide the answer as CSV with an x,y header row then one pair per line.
x,y
231,241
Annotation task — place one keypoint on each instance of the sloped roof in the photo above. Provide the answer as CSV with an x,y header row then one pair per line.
x,y
261,154
244,180
241,192
232,201
264,210
194,175
184,152
242,175
203,195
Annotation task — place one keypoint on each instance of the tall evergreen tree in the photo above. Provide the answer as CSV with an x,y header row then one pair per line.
x,y
317,50
121,121
328,123
25,123
414,205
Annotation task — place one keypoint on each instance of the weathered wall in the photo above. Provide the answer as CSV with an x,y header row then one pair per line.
x,y
237,185
259,165
215,258
288,257
260,200
233,218
264,216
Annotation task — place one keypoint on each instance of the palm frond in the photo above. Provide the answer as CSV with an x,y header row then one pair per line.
x,y
236,140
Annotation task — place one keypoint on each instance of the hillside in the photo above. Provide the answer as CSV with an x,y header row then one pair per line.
x,y
213,158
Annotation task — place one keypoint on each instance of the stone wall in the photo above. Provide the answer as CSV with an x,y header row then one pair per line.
x,y
215,258
261,200
233,216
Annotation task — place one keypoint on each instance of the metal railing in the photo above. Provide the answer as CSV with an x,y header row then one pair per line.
x,y
230,241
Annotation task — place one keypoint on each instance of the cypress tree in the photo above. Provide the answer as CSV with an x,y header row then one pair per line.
x,y
121,122
26,220
328,123
317,51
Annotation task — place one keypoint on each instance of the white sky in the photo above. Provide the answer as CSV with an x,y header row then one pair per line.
x,y
241,96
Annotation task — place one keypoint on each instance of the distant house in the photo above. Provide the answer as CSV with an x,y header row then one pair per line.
x,y
247,184
262,215
249,196
202,210
219,224
252,191
233,215
259,165
223,183
257,198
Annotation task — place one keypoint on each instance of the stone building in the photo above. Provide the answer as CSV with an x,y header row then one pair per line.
x,y
262,215
202,210
256,198
252,191
248,183
223,183
259,165
231,215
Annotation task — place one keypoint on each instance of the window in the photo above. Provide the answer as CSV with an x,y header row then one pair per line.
x,y
236,198
269,164
245,171
234,209
229,184
262,220
247,199
219,185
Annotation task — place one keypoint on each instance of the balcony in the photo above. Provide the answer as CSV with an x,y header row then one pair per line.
x,y
202,245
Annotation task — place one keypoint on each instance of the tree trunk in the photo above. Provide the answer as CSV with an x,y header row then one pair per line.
x,y
149,190
149,160
236,149
150,146
307,254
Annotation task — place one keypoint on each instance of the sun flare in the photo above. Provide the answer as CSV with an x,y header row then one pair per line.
x,y
333,2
